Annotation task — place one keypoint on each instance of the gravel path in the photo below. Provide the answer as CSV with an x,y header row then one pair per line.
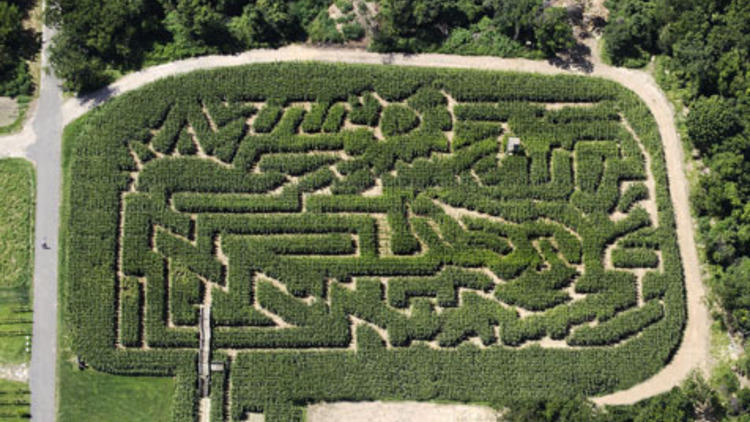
x,y
40,141
399,412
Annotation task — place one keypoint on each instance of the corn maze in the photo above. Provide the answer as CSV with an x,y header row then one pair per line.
x,y
282,234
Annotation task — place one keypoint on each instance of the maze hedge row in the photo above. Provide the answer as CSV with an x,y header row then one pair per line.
x,y
361,233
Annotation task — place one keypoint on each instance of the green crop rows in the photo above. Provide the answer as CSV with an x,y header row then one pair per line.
x,y
361,233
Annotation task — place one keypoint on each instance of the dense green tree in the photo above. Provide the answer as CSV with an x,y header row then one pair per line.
x,y
554,410
632,31
710,121
461,26
695,58
197,26
674,406
724,380
618,39
16,45
743,401
75,65
515,16
323,29
553,32
113,30
705,400
97,38
265,23
734,291
407,25
106,37
10,27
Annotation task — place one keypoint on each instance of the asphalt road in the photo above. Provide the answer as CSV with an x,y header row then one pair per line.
x,y
45,152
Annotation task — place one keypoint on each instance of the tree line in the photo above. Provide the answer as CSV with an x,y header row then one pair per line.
x,y
17,45
99,40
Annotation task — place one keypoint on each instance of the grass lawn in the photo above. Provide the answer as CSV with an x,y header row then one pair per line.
x,y
95,396
14,405
17,190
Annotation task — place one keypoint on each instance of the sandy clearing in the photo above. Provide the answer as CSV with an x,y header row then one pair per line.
x,y
694,350
15,145
205,409
399,412
8,110
18,372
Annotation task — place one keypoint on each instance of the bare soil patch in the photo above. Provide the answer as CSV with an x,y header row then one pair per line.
x,y
8,111
15,372
400,412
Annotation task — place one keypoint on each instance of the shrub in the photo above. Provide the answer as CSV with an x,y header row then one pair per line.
x,y
710,120
345,6
323,29
353,31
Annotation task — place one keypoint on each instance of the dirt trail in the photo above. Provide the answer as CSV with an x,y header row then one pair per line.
x,y
694,350
399,412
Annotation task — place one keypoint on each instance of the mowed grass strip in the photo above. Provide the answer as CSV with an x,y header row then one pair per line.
x,y
17,191
92,396
14,401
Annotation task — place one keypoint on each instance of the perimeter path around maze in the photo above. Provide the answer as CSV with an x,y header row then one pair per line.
x,y
694,349
42,145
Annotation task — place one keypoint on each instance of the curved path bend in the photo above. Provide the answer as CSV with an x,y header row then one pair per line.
x,y
694,349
